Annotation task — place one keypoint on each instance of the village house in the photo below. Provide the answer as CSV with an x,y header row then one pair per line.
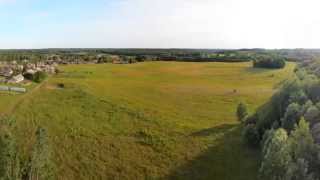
x,y
6,71
30,66
30,71
16,79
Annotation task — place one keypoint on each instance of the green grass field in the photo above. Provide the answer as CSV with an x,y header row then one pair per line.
x,y
157,120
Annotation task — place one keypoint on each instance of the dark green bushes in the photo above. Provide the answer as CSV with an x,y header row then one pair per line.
x,y
269,61
39,76
242,112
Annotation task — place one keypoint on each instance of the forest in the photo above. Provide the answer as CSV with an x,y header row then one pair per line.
x,y
286,129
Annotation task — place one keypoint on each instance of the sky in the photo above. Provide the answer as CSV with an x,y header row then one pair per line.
x,y
27,24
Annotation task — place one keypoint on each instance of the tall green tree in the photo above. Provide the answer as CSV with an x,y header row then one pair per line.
x,y
312,115
276,156
303,152
292,116
299,171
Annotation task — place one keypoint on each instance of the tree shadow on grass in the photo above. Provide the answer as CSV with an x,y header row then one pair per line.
x,y
227,159
254,70
214,130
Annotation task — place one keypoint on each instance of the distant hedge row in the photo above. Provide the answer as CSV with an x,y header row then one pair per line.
x,y
274,62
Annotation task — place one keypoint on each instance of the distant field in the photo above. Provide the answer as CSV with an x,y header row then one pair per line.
x,y
157,120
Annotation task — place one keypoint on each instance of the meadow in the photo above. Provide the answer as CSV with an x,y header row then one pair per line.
x,y
152,120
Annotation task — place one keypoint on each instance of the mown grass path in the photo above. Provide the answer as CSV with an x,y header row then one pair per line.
x,y
19,100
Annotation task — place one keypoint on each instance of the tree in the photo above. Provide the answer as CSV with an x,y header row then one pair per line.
x,y
312,115
291,117
276,156
303,152
39,76
299,97
313,89
301,142
306,106
299,171
242,112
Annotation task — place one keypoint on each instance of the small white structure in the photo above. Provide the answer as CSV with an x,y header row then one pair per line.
x,y
4,88
13,89
30,71
17,89
16,79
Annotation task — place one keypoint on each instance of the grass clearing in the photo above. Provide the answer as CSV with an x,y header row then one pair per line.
x,y
154,120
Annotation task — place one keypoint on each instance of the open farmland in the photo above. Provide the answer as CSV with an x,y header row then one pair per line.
x,y
164,120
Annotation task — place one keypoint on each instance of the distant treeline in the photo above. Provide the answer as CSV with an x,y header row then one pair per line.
x,y
194,55
272,62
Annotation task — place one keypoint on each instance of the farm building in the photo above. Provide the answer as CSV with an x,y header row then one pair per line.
x,y
4,88
16,79
30,71
17,89
6,71
13,89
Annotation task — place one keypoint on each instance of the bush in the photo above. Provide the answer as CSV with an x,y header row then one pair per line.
x,y
29,76
251,136
242,112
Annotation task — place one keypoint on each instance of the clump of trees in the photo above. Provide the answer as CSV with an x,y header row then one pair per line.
x,y
37,77
269,61
287,129
289,156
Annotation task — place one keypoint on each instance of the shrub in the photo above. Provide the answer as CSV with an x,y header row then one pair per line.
x,y
242,112
60,85
251,136
29,76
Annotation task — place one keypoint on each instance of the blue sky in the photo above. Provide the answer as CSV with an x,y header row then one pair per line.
x,y
159,24
42,23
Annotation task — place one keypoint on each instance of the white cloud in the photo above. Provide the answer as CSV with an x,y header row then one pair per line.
x,y
217,23
192,24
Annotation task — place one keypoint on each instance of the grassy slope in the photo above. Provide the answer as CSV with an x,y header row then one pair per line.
x,y
8,100
150,120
